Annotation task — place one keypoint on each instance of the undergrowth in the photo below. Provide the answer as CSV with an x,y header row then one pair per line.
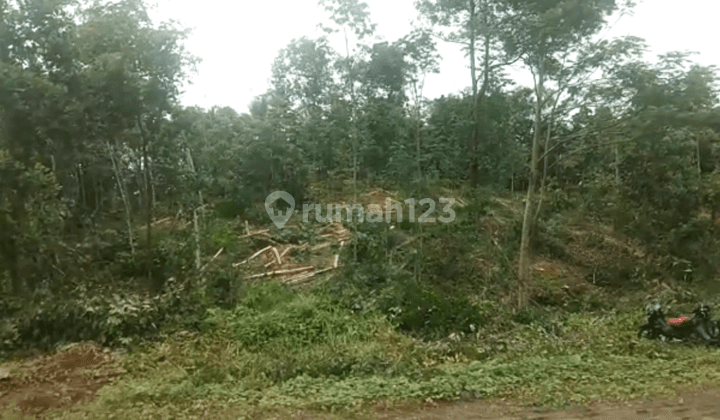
x,y
419,316
575,358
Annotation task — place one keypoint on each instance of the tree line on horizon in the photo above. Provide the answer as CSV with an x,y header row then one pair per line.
x,y
93,138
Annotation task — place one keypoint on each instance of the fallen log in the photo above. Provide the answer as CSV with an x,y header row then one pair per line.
x,y
321,246
277,256
255,233
285,251
212,259
281,272
253,256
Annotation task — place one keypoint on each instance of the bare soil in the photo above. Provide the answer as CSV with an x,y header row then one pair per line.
x,y
54,381
701,404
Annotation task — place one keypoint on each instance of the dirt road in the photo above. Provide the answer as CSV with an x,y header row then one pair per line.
x,y
700,405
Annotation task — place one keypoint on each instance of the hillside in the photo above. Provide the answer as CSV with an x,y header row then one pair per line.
x,y
160,260
314,331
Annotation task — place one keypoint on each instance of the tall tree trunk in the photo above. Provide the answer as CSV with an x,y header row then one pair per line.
x,y
546,155
698,154
152,185
474,139
617,167
417,131
124,197
353,132
524,264
420,177
81,181
96,193
148,204
197,239
191,164
482,103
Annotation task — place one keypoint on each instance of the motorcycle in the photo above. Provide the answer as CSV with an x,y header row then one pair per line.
x,y
700,328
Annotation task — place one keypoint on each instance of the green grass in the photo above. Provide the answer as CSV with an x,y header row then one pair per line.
x,y
259,359
280,350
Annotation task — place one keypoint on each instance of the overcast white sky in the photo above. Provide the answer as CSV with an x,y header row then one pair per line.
x,y
238,40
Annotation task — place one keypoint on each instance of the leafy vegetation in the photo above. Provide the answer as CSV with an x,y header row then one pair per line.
x,y
134,222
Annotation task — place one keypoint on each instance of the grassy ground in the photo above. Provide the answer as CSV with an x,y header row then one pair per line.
x,y
582,358
397,330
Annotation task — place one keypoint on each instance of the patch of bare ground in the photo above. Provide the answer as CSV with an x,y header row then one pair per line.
x,y
599,258
54,381
701,404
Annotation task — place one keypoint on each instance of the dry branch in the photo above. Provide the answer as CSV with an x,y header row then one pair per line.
x,y
277,256
212,259
324,270
253,256
157,222
280,272
285,251
321,246
301,277
257,232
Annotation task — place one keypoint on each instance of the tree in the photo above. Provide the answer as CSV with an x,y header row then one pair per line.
x,y
76,77
352,15
302,76
422,58
475,25
382,113
537,30
140,68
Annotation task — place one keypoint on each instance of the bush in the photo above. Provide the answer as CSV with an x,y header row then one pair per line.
x,y
46,321
279,334
693,247
413,307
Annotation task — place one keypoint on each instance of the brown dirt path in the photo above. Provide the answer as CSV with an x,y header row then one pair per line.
x,y
54,381
703,404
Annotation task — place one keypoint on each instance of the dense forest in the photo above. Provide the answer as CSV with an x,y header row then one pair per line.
x,y
131,221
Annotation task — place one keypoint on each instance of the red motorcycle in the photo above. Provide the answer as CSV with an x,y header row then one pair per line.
x,y
699,328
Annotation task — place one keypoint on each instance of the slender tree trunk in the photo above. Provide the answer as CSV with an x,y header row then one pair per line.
x,y
698,155
524,264
152,185
353,132
474,139
420,177
96,193
81,180
546,155
616,200
417,131
482,105
148,202
125,199
197,240
617,167
191,164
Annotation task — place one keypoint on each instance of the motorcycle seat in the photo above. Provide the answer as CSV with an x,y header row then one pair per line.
x,y
677,321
